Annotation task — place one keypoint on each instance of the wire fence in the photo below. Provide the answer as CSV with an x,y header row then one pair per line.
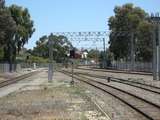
x,y
5,67
117,65
138,66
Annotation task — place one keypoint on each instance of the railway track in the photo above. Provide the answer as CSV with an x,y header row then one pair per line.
x,y
146,87
17,79
146,108
117,71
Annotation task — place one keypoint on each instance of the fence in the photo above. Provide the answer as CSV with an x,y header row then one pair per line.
x,y
5,67
138,66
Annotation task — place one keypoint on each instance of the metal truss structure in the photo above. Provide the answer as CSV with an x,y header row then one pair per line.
x,y
87,40
83,35
91,39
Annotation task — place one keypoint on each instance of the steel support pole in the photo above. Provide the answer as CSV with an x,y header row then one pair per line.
x,y
157,66
96,58
154,54
159,51
50,69
72,73
132,52
104,56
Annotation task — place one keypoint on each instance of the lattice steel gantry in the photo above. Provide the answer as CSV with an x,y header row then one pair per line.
x,y
87,37
90,36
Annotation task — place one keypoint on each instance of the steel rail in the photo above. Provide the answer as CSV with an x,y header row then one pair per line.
x,y
17,79
125,79
152,89
118,71
90,82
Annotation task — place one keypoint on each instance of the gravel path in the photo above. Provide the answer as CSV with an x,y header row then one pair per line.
x,y
36,99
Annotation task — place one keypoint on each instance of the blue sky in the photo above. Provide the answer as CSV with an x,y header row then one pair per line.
x,y
74,15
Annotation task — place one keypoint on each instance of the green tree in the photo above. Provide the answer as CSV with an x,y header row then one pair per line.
x,y
25,27
129,19
16,27
94,54
20,34
101,59
61,45
144,43
1,54
41,48
8,28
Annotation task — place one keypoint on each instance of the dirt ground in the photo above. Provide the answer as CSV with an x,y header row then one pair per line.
x,y
49,101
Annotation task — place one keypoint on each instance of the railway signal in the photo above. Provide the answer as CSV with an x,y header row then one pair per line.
x,y
108,79
72,56
72,53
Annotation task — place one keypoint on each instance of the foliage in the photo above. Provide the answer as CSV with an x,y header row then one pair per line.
x,y
144,42
7,29
7,26
93,54
129,19
25,56
24,27
16,27
61,47
101,59
1,53
109,55
36,59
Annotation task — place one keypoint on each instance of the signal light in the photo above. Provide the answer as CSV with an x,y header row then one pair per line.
x,y
72,53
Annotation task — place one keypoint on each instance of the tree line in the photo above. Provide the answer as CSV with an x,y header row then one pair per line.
x,y
61,47
16,27
130,20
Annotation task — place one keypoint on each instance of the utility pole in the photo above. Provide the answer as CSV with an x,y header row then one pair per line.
x,y
50,70
154,55
72,82
96,58
159,49
2,3
157,52
155,19
104,56
132,52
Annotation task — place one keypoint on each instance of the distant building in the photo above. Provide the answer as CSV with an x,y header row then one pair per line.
x,y
78,54
84,55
